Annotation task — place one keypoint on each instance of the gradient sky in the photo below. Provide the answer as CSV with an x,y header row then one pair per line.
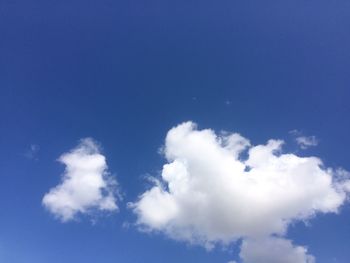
x,y
125,72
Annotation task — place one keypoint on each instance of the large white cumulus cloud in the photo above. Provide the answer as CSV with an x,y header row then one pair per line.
x,y
208,194
86,185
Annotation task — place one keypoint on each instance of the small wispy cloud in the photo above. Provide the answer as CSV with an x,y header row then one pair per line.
x,y
32,152
228,102
304,142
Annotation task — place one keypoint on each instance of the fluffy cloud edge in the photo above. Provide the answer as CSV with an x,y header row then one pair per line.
x,y
273,250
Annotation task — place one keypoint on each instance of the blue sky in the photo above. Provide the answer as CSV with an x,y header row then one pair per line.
x,y
124,73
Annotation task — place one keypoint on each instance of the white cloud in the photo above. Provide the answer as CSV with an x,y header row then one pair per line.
x,y
86,184
273,250
305,142
207,194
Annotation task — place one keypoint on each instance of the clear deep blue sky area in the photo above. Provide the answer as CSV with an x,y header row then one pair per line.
x,y
124,72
